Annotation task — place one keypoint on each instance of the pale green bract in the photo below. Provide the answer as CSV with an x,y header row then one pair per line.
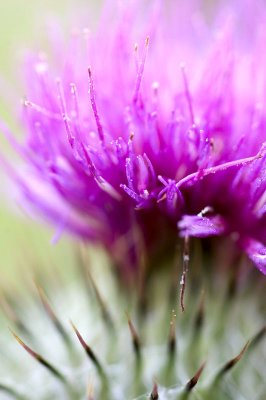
x,y
135,347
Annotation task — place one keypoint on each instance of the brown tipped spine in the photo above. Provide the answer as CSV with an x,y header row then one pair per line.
x,y
55,372
155,393
172,336
257,338
194,380
200,314
87,349
231,363
51,314
135,337
107,318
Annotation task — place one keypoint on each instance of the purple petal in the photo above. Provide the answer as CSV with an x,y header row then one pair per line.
x,y
198,226
257,253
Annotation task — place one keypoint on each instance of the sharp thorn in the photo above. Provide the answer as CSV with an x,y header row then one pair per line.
x,y
200,314
90,391
135,338
194,380
172,335
231,363
10,391
87,349
257,338
40,359
103,307
154,394
51,314
12,316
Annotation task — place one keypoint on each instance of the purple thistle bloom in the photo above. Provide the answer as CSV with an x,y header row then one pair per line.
x,y
140,148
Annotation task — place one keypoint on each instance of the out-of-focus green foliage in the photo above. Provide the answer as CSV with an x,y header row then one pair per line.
x,y
17,19
25,245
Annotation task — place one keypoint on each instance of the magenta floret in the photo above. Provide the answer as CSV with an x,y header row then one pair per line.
x,y
140,148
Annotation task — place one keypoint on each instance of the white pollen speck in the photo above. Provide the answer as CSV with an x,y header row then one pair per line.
x,y
41,67
155,85
73,114
145,193
205,211
86,32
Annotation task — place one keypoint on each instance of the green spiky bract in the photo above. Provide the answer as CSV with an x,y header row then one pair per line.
x,y
94,337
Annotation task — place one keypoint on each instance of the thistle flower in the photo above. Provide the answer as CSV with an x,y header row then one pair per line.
x,y
133,146
128,146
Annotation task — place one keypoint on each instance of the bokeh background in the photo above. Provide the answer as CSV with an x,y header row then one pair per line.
x,y
23,25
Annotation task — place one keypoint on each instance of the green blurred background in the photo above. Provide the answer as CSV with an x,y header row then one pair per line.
x,y
23,24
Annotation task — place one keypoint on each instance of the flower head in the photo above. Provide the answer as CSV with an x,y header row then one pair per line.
x,y
139,148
